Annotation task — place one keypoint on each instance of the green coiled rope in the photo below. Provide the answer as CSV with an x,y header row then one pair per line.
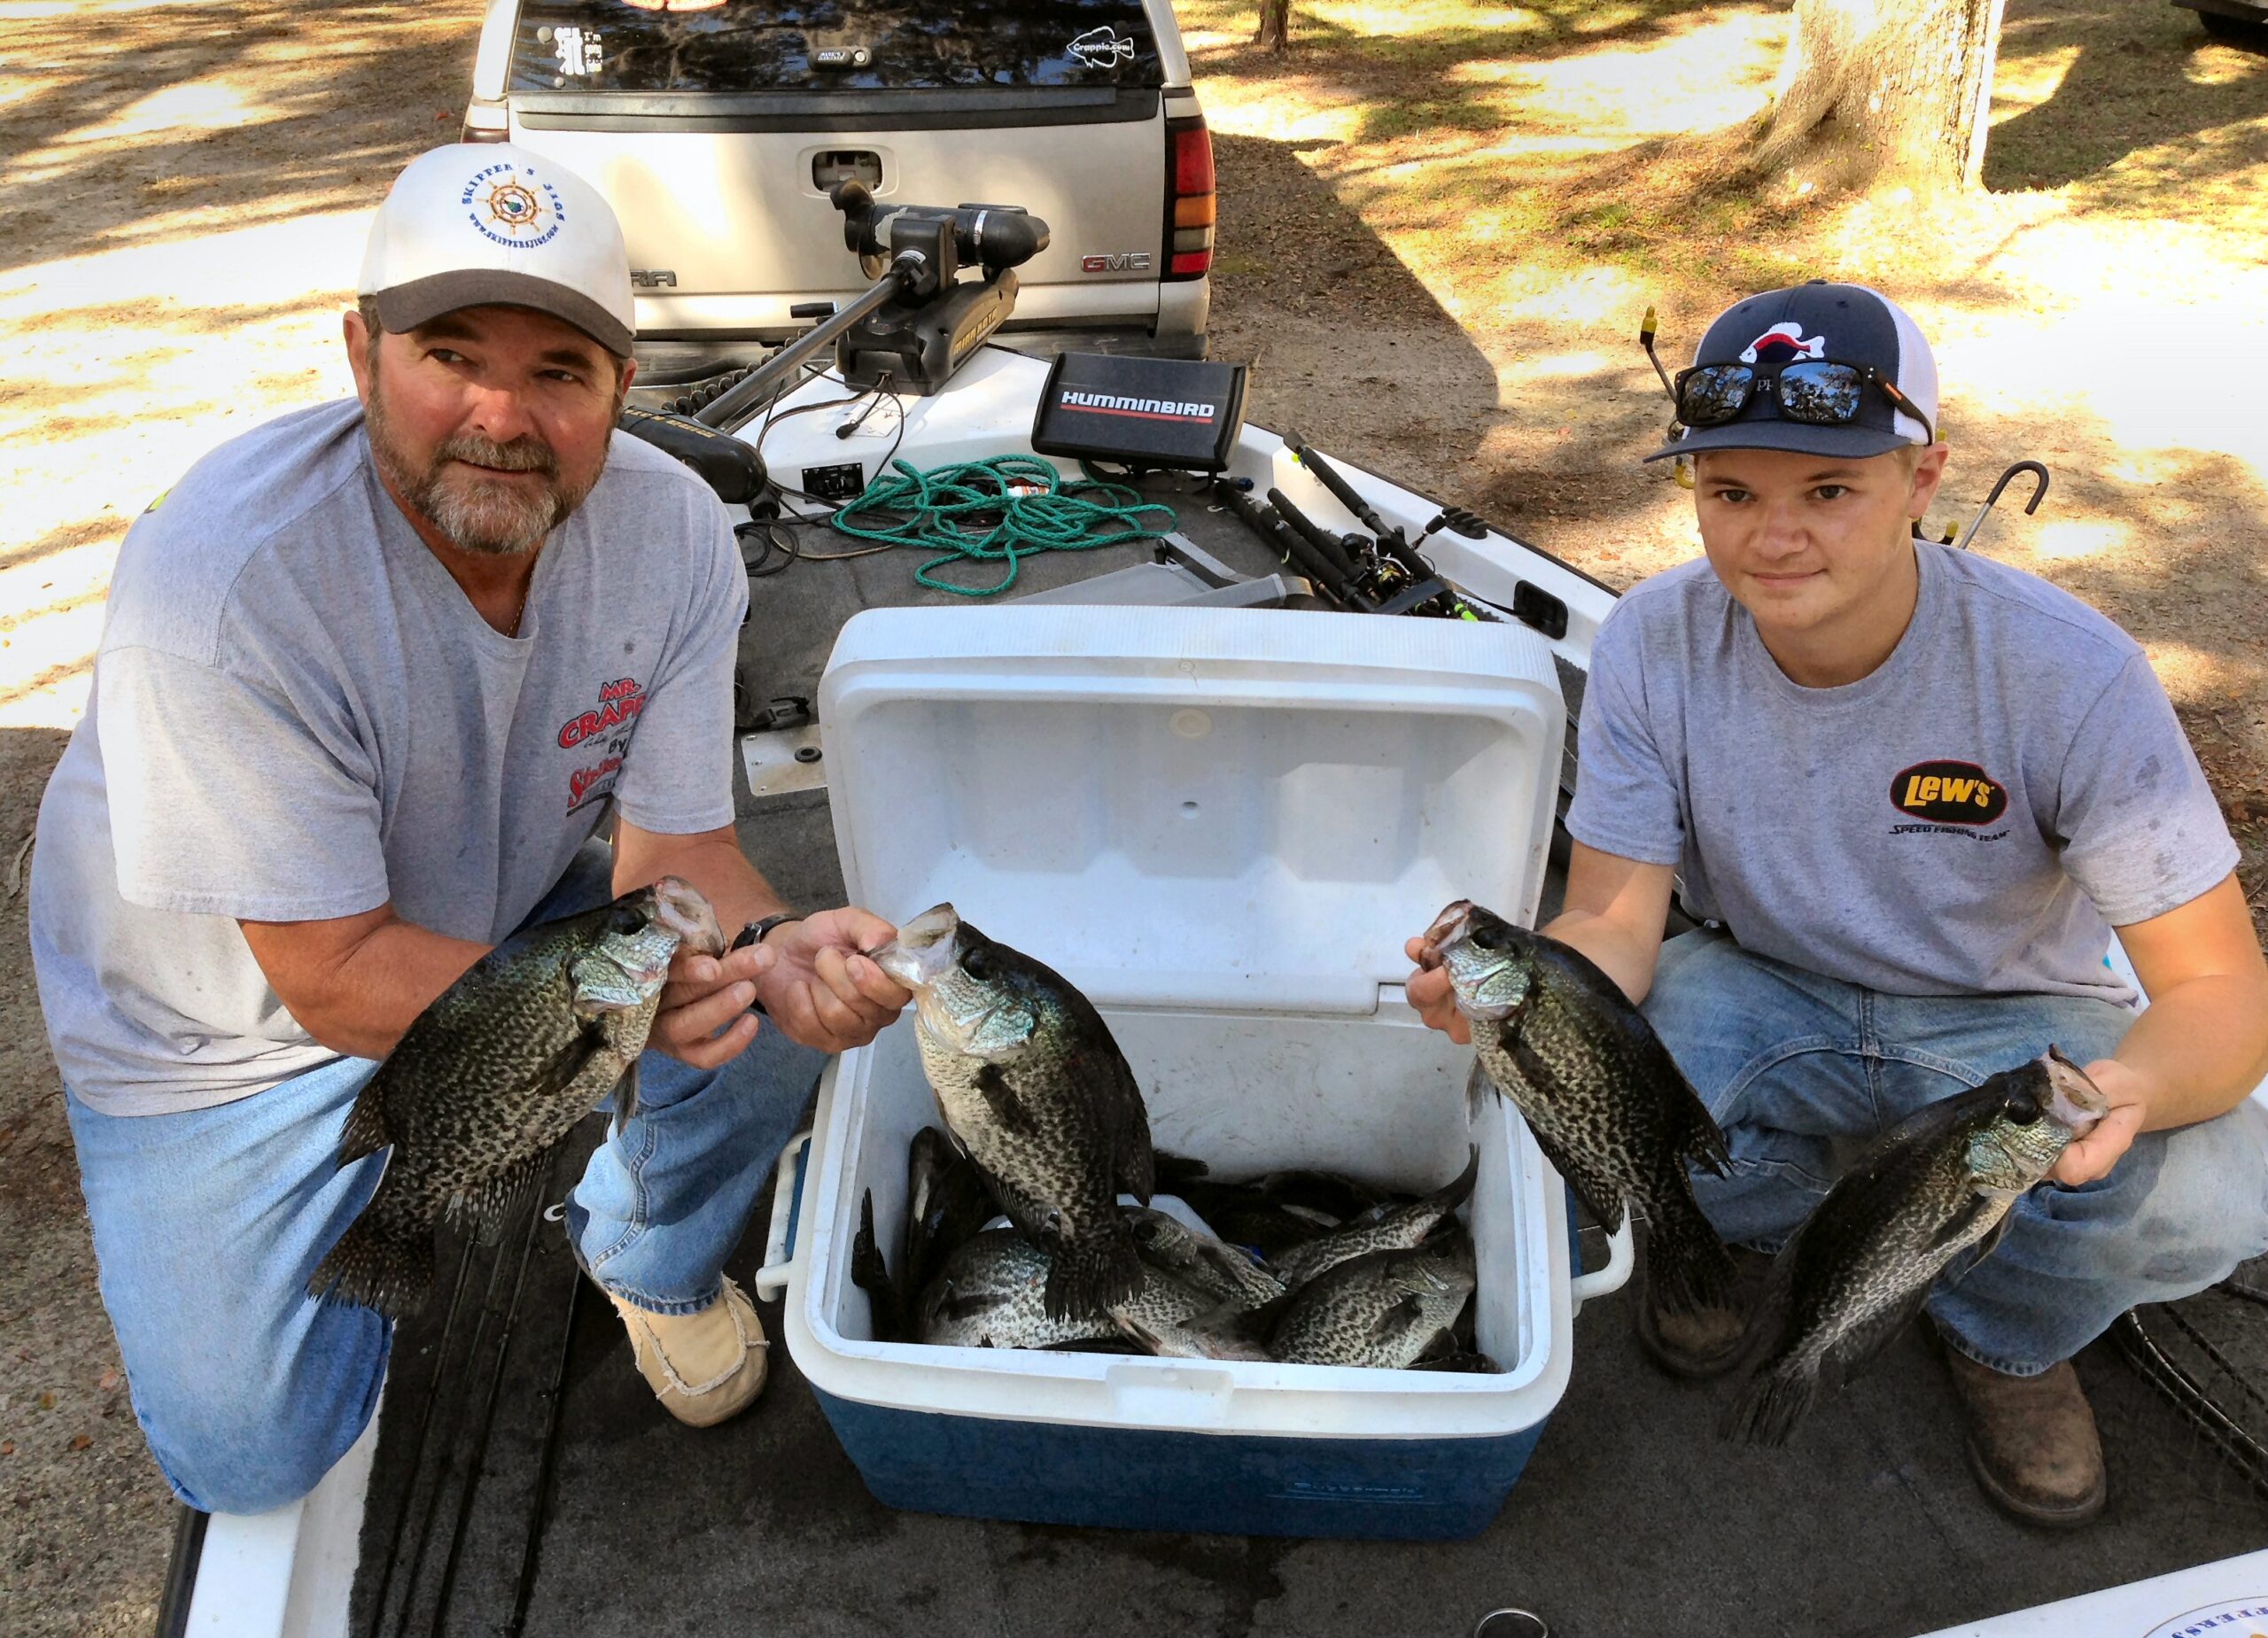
x,y
1002,510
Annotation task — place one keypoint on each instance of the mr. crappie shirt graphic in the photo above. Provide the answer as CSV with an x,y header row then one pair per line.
x,y
602,735
512,206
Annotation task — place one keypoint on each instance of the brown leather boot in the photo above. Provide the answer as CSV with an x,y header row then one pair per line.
x,y
702,1367
1705,1342
2031,1441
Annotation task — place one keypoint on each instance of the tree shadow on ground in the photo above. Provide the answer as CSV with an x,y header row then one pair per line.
x,y
2143,76
1417,69
142,125
1291,254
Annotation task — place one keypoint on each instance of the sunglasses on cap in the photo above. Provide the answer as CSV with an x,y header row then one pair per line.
x,y
1815,392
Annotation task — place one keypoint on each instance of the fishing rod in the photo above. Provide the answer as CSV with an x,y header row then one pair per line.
x,y
1293,548
1420,590
423,1440
479,1459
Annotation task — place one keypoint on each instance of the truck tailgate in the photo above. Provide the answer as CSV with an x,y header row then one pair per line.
x,y
722,211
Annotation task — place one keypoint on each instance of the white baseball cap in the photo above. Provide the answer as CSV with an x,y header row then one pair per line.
x,y
480,224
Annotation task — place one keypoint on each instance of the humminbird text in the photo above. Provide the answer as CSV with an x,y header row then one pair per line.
x,y
1138,406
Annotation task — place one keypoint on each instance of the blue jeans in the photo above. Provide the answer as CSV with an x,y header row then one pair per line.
x,y
208,1224
1803,1071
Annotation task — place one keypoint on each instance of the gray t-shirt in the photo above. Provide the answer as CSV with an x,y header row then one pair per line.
x,y
299,715
1965,820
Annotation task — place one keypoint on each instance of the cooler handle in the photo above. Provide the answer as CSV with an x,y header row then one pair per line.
x,y
787,1201
1622,1257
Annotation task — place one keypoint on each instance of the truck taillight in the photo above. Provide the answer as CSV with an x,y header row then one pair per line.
x,y
1190,202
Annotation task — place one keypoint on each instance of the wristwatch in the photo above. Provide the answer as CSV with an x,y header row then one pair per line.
x,y
754,934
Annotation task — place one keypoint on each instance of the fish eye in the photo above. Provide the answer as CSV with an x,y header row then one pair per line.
x,y
2022,1108
1490,938
976,961
622,919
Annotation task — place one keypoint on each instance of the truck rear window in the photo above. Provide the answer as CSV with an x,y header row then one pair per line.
x,y
816,45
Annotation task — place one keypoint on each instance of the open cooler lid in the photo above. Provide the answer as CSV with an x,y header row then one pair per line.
x,y
1214,808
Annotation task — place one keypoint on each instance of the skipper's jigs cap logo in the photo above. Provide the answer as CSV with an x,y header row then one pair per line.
x,y
512,206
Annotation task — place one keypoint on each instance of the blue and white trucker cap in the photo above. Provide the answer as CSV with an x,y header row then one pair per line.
x,y
1843,323
479,224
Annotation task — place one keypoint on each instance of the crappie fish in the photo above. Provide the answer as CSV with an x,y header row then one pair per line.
x,y
1386,1310
1863,1264
946,1203
1034,1088
495,1072
1198,1260
1382,1227
1607,1105
992,1295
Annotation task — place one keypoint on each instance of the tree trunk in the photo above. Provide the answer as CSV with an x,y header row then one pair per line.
x,y
1900,88
1275,25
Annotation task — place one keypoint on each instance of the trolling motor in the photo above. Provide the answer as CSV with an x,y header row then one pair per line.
x,y
920,320
920,336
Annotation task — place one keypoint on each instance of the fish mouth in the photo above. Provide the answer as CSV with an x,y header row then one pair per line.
x,y
1476,974
1452,925
683,908
924,947
2073,1099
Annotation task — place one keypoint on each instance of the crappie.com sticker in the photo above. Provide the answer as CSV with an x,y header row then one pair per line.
x,y
1102,47
2243,1618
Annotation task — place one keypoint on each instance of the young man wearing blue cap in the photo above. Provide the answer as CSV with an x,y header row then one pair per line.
x,y
1909,792
381,681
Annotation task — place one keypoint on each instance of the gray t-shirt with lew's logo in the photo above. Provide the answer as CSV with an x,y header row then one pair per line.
x,y
299,715
1970,817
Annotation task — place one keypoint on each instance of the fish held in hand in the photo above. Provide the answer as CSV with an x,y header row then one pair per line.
x,y
1607,1105
487,1079
1034,1088
1937,1184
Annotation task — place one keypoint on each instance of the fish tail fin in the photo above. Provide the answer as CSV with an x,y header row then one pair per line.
x,y
1688,1265
1771,1401
381,1263
1459,1189
1086,1278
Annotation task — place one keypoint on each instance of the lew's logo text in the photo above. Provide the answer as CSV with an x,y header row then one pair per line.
x,y
1948,793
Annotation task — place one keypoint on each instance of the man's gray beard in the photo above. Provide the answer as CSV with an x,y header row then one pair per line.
x,y
472,513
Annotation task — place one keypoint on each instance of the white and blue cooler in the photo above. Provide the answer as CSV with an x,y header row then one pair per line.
x,y
1221,825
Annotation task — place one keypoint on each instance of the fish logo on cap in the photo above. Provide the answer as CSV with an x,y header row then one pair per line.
x,y
527,210
1785,344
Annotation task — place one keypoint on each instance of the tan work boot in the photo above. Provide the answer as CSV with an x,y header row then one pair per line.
x,y
704,1367
1705,1342
2031,1441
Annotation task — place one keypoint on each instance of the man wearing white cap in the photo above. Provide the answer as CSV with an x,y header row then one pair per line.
x,y
380,682
1909,792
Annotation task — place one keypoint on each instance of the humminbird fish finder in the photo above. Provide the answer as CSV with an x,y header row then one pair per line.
x,y
1180,414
